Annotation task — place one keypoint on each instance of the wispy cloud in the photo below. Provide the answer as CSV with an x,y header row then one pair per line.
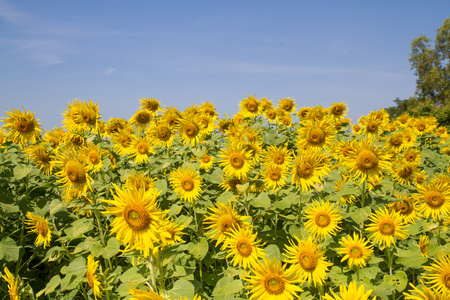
x,y
11,15
109,71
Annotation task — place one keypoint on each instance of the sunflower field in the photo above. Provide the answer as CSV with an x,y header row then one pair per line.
x,y
275,202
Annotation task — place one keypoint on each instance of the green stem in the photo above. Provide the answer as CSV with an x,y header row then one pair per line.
x,y
389,255
299,209
151,268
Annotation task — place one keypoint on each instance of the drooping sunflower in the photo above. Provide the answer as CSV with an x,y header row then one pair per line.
x,y
368,161
355,250
406,206
92,278
424,293
243,247
151,104
272,280
22,127
338,110
186,183
323,219
424,242
13,285
236,161
385,227
352,292
434,199
279,156
41,156
309,168
137,221
316,134
73,171
274,177
221,220
266,104
40,225
189,131
250,107
438,274
140,149
308,260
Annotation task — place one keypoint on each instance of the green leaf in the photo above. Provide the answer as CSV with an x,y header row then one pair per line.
x,y
262,201
226,197
54,282
161,185
200,249
9,249
56,205
411,258
360,215
399,281
22,171
272,251
182,288
78,228
131,276
223,289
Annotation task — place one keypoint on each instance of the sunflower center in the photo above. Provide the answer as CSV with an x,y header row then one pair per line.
x,y
142,148
226,223
315,136
386,227
406,172
244,248
305,169
187,184
77,140
125,141
404,207
252,106
191,130
434,199
355,252
75,171
172,120
206,158
94,158
287,106
308,261
236,160
143,117
396,141
337,110
410,157
274,284
322,219
153,106
89,116
272,115
286,121
42,228
24,126
136,216
233,183
372,126
274,175
164,133
367,160
278,159
420,126
42,155
446,279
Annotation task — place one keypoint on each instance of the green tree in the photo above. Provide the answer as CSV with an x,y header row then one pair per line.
x,y
431,64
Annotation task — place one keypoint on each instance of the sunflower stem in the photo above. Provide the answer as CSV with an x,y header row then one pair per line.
x,y
357,273
151,268
389,255
299,209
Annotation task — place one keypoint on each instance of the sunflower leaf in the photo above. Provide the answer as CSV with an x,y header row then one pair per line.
x,y
9,249
181,289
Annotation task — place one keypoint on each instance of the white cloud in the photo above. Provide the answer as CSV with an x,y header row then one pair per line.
x,y
11,15
110,71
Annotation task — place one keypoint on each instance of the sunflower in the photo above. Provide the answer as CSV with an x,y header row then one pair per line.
x,y
424,242
315,134
425,294
54,137
151,104
406,206
338,110
308,260
411,155
287,104
161,134
303,113
434,199
171,233
205,122
122,142
186,183
356,129
78,199
137,221
138,181
355,249
368,161
221,220
254,150
271,115
385,226
208,108
81,116
317,113
140,149
236,161
404,172
243,247
94,157
323,219
279,156
395,142
206,162
141,119
439,274
372,126
22,127
13,290
353,292
250,107
284,118
171,116
41,157
274,177
343,150
144,295
115,125
93,281
424,125
230,183
272,280
73,170
265,104
190,132
40,225
74,140
309,168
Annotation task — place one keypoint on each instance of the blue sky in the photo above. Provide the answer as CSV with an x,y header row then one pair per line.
x,y
187,52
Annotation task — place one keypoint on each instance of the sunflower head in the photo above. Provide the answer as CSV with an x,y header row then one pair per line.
x,y
22,127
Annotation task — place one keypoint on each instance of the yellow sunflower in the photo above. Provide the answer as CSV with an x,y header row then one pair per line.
x,y
343,150
243,247
139,180
81,116
151,104
74,140
172,116
424,242
368,161
144,295
404,172
77,199
279,156
236,161
171,233
385,227
186,183
41,157
406,206
308,260
93,281
352,292
40,225
250,107
338,110
309,168
395,142
271,115
230,183
316,134
205,122
425,293
72,170
424,125
190,132
355,249
22,127
137,221
323,219
208,108
220,221
141,119
272,280
287,104
266,104
115,125
94,157
13,290
434,199
140,149
206,162
122,141
356,129
274,177
161,134
438,274
411,155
